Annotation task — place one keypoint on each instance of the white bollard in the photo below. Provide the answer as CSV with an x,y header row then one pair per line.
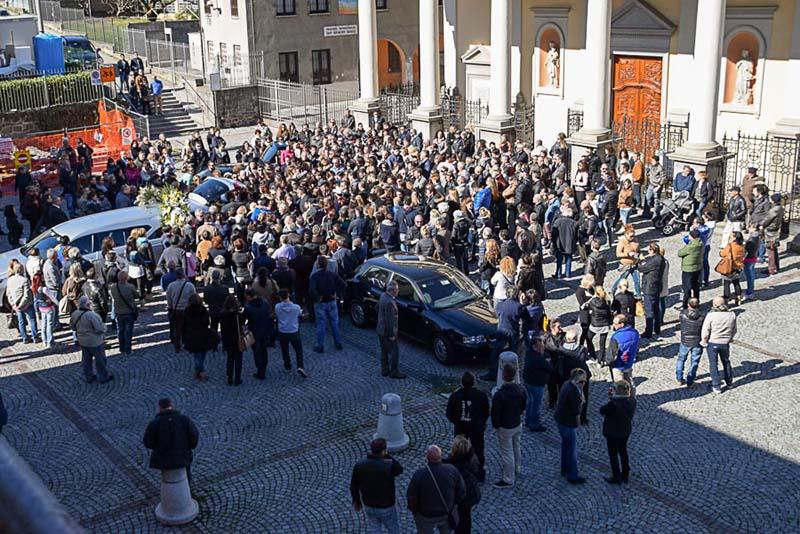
x,y
390,423
177,506
506,357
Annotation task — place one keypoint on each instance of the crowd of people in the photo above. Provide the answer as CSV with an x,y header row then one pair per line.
x,y
314,203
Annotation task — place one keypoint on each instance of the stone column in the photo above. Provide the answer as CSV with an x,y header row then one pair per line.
x,y
499,121
427,118
595,131
789,124
368,63
702,151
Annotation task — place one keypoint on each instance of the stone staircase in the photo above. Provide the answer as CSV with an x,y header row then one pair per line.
x,y
175,122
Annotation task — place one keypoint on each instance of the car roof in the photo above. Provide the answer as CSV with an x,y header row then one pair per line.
x,y
413,266
123,216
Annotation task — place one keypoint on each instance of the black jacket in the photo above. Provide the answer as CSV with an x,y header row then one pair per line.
x,y
737,209
537,369
624,303
469,469
323,286
618,414
569,405
691,327
597,265
214,296
171,437
468,410
599,312
569,359
583,296
508,404
424,499
652,270
196,329
372,482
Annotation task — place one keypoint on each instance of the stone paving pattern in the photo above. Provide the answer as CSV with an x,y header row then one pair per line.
x,y
276,456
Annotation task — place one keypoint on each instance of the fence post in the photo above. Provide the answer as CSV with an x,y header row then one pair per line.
x,y
324,92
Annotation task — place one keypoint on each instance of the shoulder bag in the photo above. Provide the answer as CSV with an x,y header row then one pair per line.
x,y
452,517
725,265
246,337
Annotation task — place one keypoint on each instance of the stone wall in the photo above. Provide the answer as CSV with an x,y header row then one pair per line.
x,y
237,106
51,119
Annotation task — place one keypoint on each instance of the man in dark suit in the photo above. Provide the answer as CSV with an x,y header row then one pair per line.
x,y
123,71
387,331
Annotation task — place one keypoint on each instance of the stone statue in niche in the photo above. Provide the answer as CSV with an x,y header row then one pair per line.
x,y
745,75
551,63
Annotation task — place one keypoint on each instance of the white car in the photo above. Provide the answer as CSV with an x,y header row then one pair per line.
x,y
213,189
87,233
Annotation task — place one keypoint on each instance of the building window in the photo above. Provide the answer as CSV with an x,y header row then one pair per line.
x,y
211,51
284,7
381,4
317,6
287,65
395,63
321,66
223,55
234,8
237,55
207,7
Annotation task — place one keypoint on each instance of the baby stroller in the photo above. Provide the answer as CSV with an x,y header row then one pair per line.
x,y
675,213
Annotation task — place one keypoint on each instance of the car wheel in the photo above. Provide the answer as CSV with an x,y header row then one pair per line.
x,y
442,350
358,314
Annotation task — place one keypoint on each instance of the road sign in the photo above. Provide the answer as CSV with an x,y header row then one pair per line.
x,y
21,157
127,135
107,74
96,80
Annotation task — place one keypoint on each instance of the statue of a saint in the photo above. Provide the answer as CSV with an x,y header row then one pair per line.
x,y
551,62
745,69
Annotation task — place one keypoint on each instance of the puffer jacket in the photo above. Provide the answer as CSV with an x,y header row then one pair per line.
x,y
691,327
599,312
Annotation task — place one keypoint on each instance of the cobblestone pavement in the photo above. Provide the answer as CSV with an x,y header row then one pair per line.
x,y
276,456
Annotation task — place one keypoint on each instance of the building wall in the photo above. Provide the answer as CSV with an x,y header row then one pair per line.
x,y
777,72
304,32
223,28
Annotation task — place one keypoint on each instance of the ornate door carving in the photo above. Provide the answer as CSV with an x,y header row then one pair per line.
x,y
636,110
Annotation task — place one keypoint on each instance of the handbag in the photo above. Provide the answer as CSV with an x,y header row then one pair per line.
x,y
639,308
452,517
63,306
246,338
725,265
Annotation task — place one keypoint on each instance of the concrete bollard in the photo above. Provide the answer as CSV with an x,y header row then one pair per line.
x,y
177,506
506,357
390,423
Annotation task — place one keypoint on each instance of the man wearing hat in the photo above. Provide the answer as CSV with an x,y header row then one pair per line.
x,y
750,180
736,215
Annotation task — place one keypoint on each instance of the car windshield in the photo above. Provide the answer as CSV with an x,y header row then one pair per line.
x,y
448,291
211,190
43,241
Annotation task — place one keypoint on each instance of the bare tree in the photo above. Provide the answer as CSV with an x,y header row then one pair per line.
x,y
151,7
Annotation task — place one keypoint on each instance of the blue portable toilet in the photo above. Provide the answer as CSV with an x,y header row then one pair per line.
x,y
48,52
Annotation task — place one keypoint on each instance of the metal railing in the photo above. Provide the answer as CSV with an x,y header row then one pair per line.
x,y
141,122
45,91
28,506
302,103
193,96
239,72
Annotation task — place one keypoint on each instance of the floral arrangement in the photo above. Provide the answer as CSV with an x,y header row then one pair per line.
x,y
171,200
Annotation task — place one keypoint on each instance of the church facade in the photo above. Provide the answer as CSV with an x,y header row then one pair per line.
x,y
652,73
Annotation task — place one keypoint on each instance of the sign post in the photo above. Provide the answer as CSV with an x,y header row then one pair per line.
x,y
127,135
21,157
96,78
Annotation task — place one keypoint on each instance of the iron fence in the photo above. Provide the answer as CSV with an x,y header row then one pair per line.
x,y
459,112
237,71
44,91
524,118
574,121
141,122
777,160
302,103
398,101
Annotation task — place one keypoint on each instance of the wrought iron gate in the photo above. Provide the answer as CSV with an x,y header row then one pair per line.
x,y
398,101
777,160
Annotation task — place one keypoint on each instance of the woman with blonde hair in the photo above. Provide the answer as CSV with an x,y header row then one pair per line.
x,y
73,287
462,456
503,279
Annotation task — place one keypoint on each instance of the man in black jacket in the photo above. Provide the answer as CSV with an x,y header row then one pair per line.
x,y
691,330
468,410
434,492
171,436
736,215
508,404
535,375
323,286
568,409
372,488
652,270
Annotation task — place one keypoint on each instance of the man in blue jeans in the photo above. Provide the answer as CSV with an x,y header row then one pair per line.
x,y
535,374
324,286
719,329
372,488
691,327
567,416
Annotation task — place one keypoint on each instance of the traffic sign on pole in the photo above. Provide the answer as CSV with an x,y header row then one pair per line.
x,y
127,135
21,157
96,80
